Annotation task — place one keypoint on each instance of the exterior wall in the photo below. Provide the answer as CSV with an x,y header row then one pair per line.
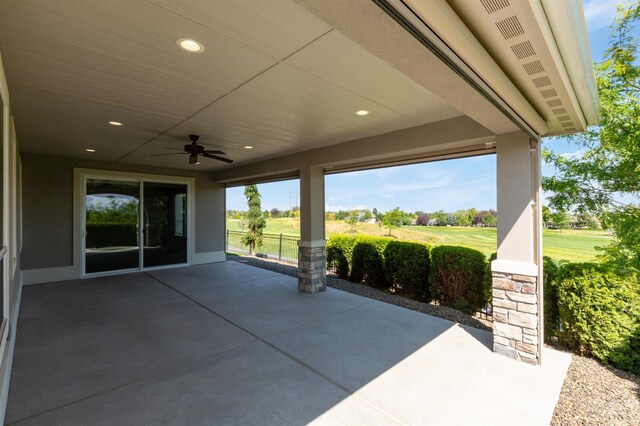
x,y
11,239
48,208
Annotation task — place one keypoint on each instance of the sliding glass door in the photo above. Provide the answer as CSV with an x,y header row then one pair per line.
x,y
165,224
111,225
134,224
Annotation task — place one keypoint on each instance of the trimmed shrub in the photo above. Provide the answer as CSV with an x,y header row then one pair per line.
x,y
339,251
367,261
599,310
457,279
488,279
550,294
406,267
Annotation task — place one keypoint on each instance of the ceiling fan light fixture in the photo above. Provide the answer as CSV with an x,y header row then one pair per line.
x,y
193,158
248,147
90,150
115,123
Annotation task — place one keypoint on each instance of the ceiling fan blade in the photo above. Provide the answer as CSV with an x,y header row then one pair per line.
x,y
172,148
170,153
215,157
214,152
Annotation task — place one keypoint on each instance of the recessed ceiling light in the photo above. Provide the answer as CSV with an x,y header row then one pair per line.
x,y
90,150
190,45
248,147
115,123
362,112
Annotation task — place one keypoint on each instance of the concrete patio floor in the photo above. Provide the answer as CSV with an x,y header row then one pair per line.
x,y
227,343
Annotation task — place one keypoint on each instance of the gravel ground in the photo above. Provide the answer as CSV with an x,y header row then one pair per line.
x,y
592,393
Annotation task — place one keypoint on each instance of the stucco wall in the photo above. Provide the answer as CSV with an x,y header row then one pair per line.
x,y
47,184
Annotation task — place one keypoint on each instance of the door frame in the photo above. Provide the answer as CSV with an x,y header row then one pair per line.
x,y
80,181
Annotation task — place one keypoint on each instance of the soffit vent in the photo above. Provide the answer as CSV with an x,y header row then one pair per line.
x,y
510,27
494,5
541,81
549,93
523,50
512,30
534,67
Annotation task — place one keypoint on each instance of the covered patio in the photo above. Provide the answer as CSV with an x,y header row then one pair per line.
x,y
227,343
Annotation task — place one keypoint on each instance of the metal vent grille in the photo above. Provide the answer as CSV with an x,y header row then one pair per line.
x,y
534,67
523,50
541,81
510,27
549,93
494,5
554,103
559,111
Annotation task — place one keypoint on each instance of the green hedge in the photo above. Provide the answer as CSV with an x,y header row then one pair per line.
x,y
339,250
367,262
457,277
406,267
550,294
599,310
111,234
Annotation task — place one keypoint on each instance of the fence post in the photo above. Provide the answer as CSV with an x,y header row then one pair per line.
x,y
226,245
280,249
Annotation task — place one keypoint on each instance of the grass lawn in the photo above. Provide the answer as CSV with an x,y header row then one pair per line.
x,y
572,245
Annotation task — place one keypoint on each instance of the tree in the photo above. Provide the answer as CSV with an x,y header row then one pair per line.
x,y
275,213
546,215
255,220
352,219
393,219
490,219
440,218
463,217
366,216
608,163
560,220
423,219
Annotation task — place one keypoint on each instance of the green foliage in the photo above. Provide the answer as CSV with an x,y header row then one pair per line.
x,y
255,219
440,218
393,219
599,310
488,278
367,261
116,211
339,251
406,267
550,294
353,219
560,220
456,277
608,163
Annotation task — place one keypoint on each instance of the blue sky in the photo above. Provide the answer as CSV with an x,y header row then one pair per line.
x,y
447,185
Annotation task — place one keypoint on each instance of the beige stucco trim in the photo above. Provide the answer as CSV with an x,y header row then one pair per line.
x,y
515,267
312,244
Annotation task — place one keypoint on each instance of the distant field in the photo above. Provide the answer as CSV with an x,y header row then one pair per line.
x,y
571,245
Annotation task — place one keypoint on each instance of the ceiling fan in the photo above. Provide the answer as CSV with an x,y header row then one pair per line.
x,y
193,149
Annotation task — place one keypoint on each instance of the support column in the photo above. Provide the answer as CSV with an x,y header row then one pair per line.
x,y
517,284
312,258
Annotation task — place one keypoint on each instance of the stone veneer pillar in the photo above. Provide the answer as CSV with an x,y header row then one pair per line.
x,y
312,271
516,314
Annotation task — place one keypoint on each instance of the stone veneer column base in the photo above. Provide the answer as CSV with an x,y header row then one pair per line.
x,y
515,317
312,270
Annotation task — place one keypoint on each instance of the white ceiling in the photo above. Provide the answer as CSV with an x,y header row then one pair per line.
x,y
272,76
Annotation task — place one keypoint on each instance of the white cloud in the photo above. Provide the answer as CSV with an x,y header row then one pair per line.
x,y
384,195
599,13
573,155
335,208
